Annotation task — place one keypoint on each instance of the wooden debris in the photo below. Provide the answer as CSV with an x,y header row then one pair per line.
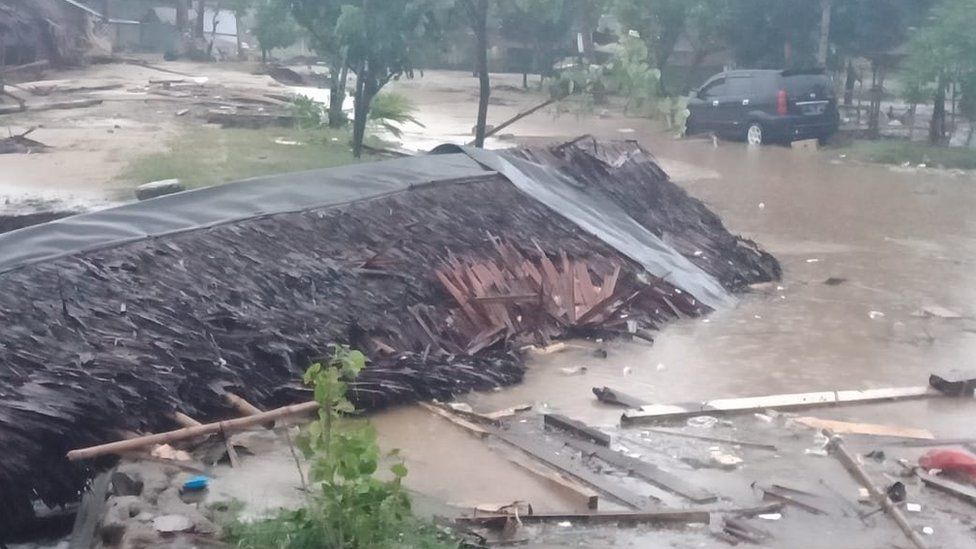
x,y
729,441
954,383
961,491
787,496
228,426
576,428
686,516
842,427
546,454
620,517
646,471
508,412
468,426
242,119
184,420
21,144
590,497
245,408
837,447
617,398
656,412
36,65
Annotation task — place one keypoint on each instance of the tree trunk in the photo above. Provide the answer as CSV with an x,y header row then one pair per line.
x,y
198,25
825,7
911,118
849,84
937,125
182,16
481,33
338,73
366,89
239,29
874,112
264,56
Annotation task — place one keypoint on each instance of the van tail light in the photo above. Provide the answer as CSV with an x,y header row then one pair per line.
x,y
781,103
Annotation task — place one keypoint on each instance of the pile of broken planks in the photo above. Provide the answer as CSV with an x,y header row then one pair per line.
x,y
511,293
951,385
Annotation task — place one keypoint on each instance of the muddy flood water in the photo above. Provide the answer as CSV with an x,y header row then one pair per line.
x,y
903,241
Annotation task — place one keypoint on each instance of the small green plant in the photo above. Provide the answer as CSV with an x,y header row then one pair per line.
x,y
308,112
390,111
348,507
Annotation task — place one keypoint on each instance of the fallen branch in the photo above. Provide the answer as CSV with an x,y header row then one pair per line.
x,y
238,424
518,117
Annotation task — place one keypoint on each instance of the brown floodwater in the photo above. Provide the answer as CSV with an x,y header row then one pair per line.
x,y
902,240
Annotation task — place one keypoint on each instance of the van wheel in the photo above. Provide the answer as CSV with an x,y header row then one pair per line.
x,y
754,134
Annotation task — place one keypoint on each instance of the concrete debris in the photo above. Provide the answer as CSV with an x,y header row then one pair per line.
x,y
172,523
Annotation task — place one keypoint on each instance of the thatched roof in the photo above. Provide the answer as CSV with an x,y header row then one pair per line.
x,y
114,333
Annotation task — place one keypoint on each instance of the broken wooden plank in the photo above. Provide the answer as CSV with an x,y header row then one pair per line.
x,y
686,516
507,412
848,427
786,496
617,398
589,496
619,517
729,441
656,412
472,428
546,454
576,428
961,491
646,471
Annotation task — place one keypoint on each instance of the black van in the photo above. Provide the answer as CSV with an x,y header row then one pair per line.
x,y
763,106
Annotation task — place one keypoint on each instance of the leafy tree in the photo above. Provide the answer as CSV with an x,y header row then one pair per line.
x,y
318,18
871,29
540,26
944,51
773,33
661,23
274,27
378,38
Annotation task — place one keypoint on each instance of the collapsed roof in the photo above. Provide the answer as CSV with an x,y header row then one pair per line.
x,y
435,265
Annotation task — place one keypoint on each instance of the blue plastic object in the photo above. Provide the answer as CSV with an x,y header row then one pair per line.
x,y
196,484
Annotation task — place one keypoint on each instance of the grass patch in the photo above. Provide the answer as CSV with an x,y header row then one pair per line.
x,y
208,156
898,152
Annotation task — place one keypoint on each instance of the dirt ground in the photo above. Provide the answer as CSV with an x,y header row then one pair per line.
x,y
902,240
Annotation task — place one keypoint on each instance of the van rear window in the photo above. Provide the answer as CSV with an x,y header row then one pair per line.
x,y
804,84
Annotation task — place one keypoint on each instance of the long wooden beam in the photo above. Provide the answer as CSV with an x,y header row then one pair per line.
x,y
656,412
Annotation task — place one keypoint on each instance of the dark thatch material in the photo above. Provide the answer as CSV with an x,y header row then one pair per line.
x,y
99,343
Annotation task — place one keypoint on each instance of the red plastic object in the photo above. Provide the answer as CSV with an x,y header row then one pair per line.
x,y
950,461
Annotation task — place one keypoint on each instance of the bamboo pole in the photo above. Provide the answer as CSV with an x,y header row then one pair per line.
x,y
227,426
861,476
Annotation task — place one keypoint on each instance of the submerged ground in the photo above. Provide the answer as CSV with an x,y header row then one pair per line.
x,y
902,239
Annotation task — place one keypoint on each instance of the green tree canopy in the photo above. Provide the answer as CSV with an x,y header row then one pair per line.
x,y
274,27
